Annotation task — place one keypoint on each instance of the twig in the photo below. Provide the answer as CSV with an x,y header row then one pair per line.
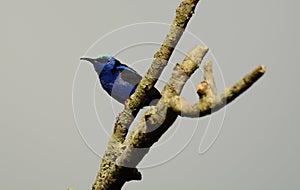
x,y
207,88
207,105
209,78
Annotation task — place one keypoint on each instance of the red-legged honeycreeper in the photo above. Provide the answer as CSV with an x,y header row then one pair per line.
x,y
119,80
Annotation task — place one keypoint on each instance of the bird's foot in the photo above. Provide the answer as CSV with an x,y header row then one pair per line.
x,y
126,101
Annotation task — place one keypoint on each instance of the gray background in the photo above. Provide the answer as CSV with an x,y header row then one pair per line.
x,y
41,42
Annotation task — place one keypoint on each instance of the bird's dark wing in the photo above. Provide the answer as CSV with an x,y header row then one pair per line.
x,y
131,77
127,73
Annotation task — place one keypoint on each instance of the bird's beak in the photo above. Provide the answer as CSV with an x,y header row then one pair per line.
x,y
93,61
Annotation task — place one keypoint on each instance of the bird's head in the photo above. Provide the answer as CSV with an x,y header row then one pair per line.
x,y
100,61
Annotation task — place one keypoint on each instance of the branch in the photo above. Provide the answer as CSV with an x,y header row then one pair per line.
x,y
209,104
109,175
207,88
183,14
122,156
209,78
159,118
151,127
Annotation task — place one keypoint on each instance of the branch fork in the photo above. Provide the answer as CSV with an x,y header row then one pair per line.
x,y
123,154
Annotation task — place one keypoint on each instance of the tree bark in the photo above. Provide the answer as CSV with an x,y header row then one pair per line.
x,y
123,155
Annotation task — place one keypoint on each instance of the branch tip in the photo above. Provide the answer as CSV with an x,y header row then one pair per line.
x,y
201,88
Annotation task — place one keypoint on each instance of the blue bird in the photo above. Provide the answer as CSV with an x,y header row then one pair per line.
x,y
119,80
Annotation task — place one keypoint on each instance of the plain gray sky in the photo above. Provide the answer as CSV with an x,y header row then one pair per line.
x,y
41,42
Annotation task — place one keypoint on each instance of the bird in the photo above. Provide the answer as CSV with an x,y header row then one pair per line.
x,y
119,80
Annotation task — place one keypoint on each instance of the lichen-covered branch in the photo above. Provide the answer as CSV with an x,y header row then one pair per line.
x,y
208,104
123,155
183,14
109,176
159,118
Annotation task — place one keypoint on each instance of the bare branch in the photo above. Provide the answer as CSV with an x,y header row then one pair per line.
x,y
209,78
159,118
207,88
183,14
122,156
206,105
110,176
